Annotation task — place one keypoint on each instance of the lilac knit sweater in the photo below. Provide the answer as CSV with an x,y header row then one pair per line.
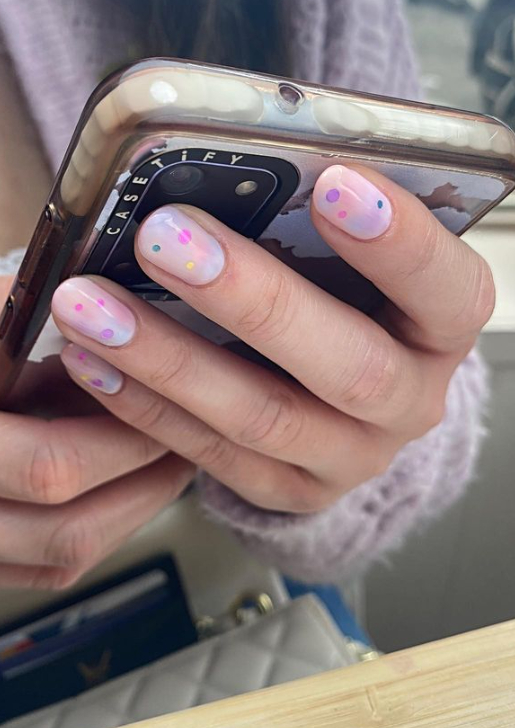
x,y
59,49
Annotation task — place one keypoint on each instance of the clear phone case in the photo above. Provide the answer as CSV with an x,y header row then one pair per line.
x,y
458,163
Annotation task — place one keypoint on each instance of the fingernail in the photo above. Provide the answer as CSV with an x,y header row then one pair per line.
x,y
352,203
87,308
91,370
178,245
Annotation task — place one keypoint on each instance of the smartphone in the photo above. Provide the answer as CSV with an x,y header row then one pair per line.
x,y
247,148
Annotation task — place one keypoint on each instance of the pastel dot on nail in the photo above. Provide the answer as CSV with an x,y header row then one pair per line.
x,y
107,334
97,383
156,248
101,302
190,265
342,214
380,204
82,356
332,196
84,378
185,236
79,307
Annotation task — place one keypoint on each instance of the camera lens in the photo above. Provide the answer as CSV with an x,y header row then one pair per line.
x,y
181,179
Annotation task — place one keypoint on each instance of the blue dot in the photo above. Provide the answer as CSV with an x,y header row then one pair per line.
x,y
380,204
156,248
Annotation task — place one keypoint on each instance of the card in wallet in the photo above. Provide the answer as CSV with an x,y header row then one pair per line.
x,y
99,634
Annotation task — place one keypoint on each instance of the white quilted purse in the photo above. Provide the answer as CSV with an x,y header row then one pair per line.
x,y
298,640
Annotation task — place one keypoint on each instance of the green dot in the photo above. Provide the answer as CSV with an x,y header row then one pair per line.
x,y
156,248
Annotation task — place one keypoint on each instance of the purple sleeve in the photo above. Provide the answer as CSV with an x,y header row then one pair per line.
x,y
426,477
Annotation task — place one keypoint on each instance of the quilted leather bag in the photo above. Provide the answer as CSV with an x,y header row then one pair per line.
x,y
297,640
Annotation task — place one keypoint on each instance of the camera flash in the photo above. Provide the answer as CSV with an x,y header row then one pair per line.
x,y
246,188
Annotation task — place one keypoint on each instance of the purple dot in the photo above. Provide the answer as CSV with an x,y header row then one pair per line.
x,y
79,307
97,383
332,196
185,237
82,356
107,334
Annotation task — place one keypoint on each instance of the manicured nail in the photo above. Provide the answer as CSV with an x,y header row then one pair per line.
x,y
174,242
352,203
91,370
86,307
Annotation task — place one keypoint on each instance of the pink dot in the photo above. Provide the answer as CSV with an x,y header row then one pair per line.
x,y
185,237
107,334
101,302
342,214
82,356
79,307
97,383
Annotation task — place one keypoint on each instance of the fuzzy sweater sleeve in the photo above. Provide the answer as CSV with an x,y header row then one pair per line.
x,y
426,477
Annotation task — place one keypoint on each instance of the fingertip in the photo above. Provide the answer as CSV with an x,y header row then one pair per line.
x,y
90,371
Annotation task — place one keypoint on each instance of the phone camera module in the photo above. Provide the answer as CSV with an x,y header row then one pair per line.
x,y
181,179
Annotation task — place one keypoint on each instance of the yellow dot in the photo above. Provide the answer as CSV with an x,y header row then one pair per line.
x,y
190,265
84,378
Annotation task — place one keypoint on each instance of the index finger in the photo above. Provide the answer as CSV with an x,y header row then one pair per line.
x,y
54,462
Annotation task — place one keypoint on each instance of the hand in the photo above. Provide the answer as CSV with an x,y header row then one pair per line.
x,y
74,488
363,388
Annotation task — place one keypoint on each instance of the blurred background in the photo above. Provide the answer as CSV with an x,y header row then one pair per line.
x,y
458,574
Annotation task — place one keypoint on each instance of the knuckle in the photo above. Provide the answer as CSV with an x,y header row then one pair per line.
x,y
54,471
429,414
73,544
174,371
151,414
315,497
434,414
270,316
375,379
274,425
214,452
381,459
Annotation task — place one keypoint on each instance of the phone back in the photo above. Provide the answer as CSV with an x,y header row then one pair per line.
x,y
145,124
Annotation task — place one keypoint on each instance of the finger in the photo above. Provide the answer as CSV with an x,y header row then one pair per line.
x,y
77,535
443,290
13,576
264,481
250,406
335,351
54,462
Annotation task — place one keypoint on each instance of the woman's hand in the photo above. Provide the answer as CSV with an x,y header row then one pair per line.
x,y
74,488
365,388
